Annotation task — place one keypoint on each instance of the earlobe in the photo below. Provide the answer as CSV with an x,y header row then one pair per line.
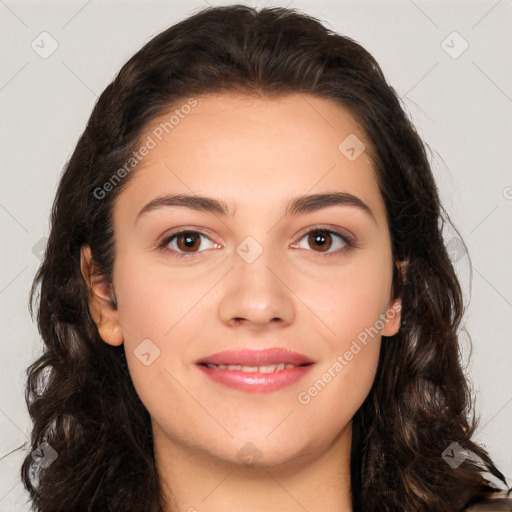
x,y
111,333
101,303
392,318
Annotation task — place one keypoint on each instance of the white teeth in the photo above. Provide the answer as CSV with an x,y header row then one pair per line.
x,y
271,368
252,369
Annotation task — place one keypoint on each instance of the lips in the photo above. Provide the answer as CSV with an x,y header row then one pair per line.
x,y
248,357
255,371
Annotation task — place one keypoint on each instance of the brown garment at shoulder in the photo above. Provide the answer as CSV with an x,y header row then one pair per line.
x,y
498,504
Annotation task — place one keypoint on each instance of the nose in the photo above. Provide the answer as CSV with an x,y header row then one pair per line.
x,y
256,295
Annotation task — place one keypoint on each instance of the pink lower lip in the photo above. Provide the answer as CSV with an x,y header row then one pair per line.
x,y
256,382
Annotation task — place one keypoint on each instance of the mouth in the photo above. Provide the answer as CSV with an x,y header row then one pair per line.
x,y
271,368
256,357
256,371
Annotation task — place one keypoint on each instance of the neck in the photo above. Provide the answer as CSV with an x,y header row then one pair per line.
x,y
196,481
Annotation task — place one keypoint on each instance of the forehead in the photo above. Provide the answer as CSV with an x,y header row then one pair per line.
x,y
242,148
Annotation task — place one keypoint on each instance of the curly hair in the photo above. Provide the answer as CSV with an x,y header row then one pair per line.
x,y
79,392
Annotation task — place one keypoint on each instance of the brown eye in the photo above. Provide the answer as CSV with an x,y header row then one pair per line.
x,y
321,239
326,242
188,241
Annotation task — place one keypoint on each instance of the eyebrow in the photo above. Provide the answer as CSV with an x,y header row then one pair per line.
x,y
295,206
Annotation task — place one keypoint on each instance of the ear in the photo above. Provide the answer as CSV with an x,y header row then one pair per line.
x,y
393,314
101,301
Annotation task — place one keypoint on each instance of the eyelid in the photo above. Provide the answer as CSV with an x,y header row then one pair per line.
x,y
163,242
347,235
349,239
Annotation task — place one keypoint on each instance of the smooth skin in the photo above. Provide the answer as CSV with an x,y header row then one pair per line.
x,y
311,297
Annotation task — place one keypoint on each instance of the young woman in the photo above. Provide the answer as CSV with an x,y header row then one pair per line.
x,y
246,300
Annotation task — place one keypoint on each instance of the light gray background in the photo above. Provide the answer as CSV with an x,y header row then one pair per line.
x,y
461,106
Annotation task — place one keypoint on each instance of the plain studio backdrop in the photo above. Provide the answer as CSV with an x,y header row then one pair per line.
x,y
450,63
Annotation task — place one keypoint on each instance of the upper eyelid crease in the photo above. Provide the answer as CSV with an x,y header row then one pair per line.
x,y
296,206
166,239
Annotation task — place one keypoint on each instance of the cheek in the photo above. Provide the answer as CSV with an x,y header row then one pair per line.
x,y
350,302
352,309
156,306
349,299
161,307
151,301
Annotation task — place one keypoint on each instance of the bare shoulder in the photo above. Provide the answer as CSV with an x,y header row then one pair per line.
x,y
500,502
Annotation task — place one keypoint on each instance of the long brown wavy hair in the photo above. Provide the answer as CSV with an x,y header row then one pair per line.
x,y
79,392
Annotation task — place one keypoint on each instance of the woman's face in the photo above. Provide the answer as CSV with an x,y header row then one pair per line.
x,y
257,277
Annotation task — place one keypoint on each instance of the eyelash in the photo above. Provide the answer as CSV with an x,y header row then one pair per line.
x,y
164,242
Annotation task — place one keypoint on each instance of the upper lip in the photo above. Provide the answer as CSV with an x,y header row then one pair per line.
x,y
258,357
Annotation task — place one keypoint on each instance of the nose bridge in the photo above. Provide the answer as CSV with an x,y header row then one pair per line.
x,y
256,265
256,292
